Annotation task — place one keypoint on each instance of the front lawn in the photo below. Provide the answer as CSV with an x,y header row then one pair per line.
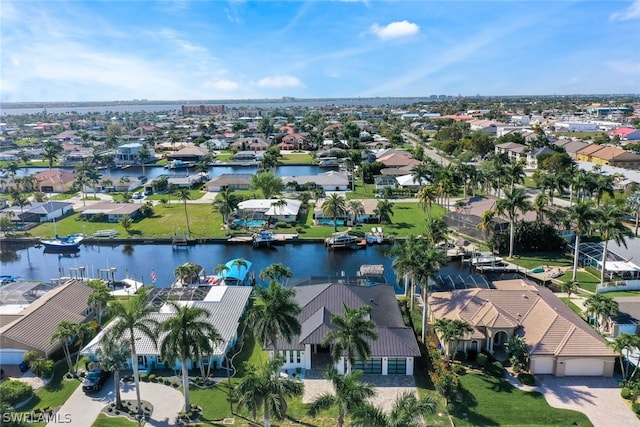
x,y
492,401
296,159
537,259
107,421
586,280
55,393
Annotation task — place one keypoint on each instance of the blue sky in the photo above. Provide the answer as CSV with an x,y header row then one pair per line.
x,y
169,50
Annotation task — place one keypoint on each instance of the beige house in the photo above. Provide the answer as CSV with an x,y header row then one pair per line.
x,y
560,342
33,327
54,181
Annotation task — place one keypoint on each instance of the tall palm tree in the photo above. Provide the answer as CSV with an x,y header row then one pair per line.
x,y
188,334
264,388
51,152
514,172
276,272
65,331
581,216
112,355
514,201
451,330
436,230
99,297
220,269
239,264
633,206
403,263
429,262
487,223
349,393
569,288
334,206
609,224
352,330
407,411
427,197
539,205
226,202
184,194
356,209
625,344
603,308
134,318
82,331
274,315
384,210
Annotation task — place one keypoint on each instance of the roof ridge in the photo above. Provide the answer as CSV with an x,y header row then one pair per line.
x,y
564,341
556,316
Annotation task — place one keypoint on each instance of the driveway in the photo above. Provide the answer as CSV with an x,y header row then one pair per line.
x,y
83,409
387,388
596,397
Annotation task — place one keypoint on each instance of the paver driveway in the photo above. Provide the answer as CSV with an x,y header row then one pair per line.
x,y
83,408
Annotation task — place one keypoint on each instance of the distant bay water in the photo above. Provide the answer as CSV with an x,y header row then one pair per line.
x,y
132,107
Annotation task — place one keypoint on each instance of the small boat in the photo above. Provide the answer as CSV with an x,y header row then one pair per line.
x,y
486,260
264,238
344,240
68,243
4,279
105,233
179,164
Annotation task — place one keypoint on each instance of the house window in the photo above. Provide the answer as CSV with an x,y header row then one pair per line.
x,y
397,365
371,366
298,356
142,360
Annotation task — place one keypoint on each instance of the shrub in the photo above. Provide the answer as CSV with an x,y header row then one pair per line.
x,y
481,360
496,369
526,379
458,369
152,377
144,377
471,355
460,356
14,391
30,356
636,408
626,393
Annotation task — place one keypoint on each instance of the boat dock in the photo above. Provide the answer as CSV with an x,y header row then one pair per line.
x,y
281,238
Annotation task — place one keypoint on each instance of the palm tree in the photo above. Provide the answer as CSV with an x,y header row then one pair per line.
x,y
133,318
407,411
451,330
350,392
275,272
609,224
220,269
514,200
334,206
539,205
602,308
436,230
625,344
188,335
403,260
264,388
51,151
352,330
274,315
384,210
279,205
356,209
112,355
633,206
99,297
186,273
603,184
19,199
240,263
487,223
82,331
427,197
184,194
65,331
429,262
93,177
569,288
581,215
226,202
514,171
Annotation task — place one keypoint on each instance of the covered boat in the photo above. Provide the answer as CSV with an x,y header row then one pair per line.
x,y
68,243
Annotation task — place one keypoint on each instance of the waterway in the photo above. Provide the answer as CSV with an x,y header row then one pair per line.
x,y
137,261
152,172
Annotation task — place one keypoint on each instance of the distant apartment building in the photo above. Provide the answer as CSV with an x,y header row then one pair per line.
x,y
203,109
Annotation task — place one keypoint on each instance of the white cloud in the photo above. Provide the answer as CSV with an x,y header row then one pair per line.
x,y
632,12
625,66
395,30
224,85
279,81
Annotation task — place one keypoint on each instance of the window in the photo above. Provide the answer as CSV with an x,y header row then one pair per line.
x,y
298,356
397,365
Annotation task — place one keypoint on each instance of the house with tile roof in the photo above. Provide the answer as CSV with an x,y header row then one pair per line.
x,y
35,325
54,181
232,181
608,155
515,151
560,343
394,351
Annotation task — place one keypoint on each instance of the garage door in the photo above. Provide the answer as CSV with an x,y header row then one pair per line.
x,y
542,365
586,367
11,356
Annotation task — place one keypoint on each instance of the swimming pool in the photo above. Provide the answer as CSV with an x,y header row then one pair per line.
x,y
329,221
250,223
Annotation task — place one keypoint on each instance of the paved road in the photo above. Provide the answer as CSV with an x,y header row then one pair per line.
x,y
83,409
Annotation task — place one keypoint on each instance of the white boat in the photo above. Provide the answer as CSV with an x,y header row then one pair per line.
x,y
105,233
344,240
68,243
179,164
264,238
486,260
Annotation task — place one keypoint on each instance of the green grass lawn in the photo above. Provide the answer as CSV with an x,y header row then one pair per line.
x,y
533,260
586,280
296,158
195,195
366,191
491,401
107,421
617,294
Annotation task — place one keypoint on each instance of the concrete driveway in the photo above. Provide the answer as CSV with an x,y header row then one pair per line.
x,y
596,397
83,409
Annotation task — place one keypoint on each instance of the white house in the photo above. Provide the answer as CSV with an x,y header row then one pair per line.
x,y
270,209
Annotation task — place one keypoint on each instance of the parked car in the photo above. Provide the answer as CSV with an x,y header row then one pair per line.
x,y
95,379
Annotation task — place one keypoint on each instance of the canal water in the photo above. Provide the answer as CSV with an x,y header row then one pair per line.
x,y
137,261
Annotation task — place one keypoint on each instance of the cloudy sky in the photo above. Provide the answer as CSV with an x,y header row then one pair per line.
x,y
177,50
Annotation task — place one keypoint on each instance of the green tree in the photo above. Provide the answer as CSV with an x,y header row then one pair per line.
x,y
184,194
135,317
384,210
126,222
334,206
51,151
266,182
427,197
274,315
264,388
569,288
112,355
581,216
428,263
64,333
451,331
349,393
355,209
602,308
350,335
188,334
100,296
625,345
226,202
514,201
633,206
275,272
407,411
609,223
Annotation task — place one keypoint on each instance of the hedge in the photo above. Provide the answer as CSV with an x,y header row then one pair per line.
x,y
14,391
